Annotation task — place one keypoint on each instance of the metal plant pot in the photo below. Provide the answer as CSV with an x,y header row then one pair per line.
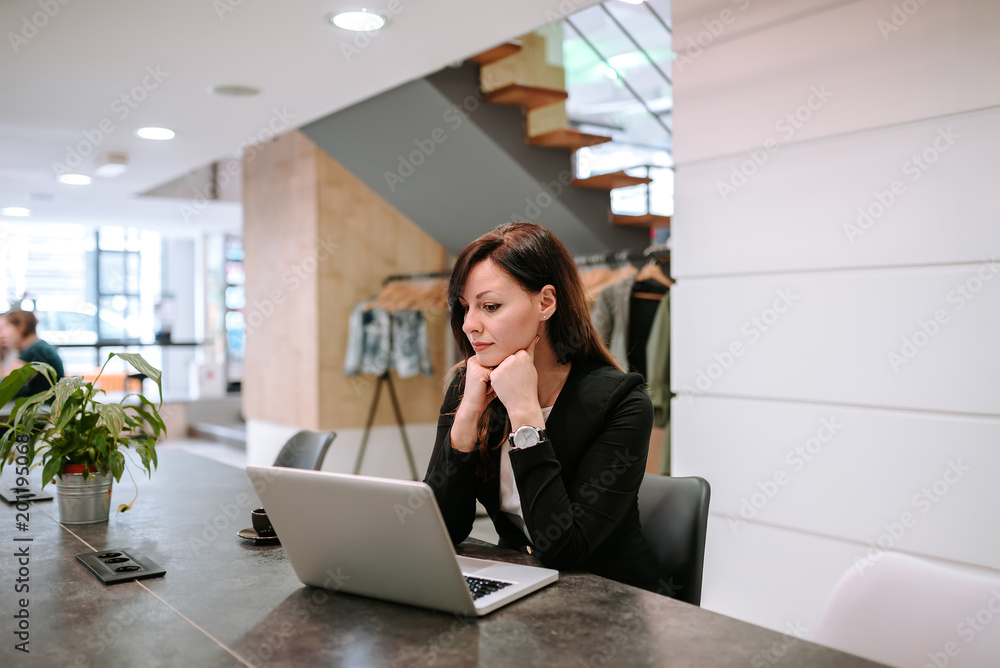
x,y
83,501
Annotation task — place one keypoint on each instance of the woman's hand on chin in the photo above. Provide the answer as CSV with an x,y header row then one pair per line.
x,y
515,381
477,396
479,391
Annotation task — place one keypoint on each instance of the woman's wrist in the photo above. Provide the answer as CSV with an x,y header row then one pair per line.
x,y
464,432
531,417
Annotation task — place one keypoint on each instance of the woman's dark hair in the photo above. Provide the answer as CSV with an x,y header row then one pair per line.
x,y
534,258
25,321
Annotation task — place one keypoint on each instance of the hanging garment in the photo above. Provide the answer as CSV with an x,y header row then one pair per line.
x,y
658,380
410,353
611,318
378,341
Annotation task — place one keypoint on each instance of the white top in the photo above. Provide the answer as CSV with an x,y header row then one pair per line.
x,y
510,500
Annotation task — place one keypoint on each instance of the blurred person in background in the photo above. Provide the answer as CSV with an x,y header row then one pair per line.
x,y
21,346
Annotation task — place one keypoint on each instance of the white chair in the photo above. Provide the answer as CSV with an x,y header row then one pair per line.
x,y
905,611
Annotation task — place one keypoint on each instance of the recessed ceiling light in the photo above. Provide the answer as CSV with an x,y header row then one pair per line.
x,y
18,211
363,21
74,179
159,134
234,91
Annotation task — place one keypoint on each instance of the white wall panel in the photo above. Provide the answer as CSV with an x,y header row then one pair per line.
x,y
857,337
899,196
772,577
734,95
896,479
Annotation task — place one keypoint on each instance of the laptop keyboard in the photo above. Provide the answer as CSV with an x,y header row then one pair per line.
x,y
480,587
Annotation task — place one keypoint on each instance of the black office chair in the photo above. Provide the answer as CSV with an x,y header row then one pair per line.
x,y
305,450
674,517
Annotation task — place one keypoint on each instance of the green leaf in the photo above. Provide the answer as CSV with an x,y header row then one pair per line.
x,y
26,408
113,417
152,416
14,381
68,412
50,469
100,441
117,465
64,388
143,367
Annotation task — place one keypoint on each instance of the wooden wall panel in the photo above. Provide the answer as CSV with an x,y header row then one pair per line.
x,y
370,240
279,229
318,241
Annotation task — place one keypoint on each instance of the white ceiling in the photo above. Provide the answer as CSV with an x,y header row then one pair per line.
x,y
71,74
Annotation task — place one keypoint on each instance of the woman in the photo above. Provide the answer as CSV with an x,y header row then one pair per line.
x,y
19,333
539,424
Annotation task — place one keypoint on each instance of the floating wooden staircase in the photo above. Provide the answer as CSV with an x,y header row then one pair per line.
x,y
526,97
567,138
611,181
497,52
516,73
646,220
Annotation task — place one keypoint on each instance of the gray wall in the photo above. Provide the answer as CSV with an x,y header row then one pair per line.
x,y
461,167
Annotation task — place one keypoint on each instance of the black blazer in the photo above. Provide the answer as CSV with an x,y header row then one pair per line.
x,y
578,491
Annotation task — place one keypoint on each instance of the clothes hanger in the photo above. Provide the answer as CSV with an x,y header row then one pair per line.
x,y
651,271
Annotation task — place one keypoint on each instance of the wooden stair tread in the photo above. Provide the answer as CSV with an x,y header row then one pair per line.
x,y
525,96
567,138
646,220
611,181
496,53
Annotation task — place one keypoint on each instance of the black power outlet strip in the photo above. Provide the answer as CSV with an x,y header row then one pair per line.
x,y
119,564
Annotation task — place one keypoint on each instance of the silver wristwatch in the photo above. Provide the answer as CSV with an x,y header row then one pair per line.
x,y
526,437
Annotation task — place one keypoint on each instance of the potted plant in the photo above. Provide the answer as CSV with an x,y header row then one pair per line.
x,y
81,440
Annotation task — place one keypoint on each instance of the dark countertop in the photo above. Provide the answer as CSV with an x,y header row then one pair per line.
x,y
227,602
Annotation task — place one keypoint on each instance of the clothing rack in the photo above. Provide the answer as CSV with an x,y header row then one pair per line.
x,y
387,379
616,257
417,276
622,257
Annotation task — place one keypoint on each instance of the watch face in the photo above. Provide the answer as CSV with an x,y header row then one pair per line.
x,y
525,437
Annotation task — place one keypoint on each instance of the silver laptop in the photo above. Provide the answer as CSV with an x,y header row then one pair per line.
x,y
385,539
